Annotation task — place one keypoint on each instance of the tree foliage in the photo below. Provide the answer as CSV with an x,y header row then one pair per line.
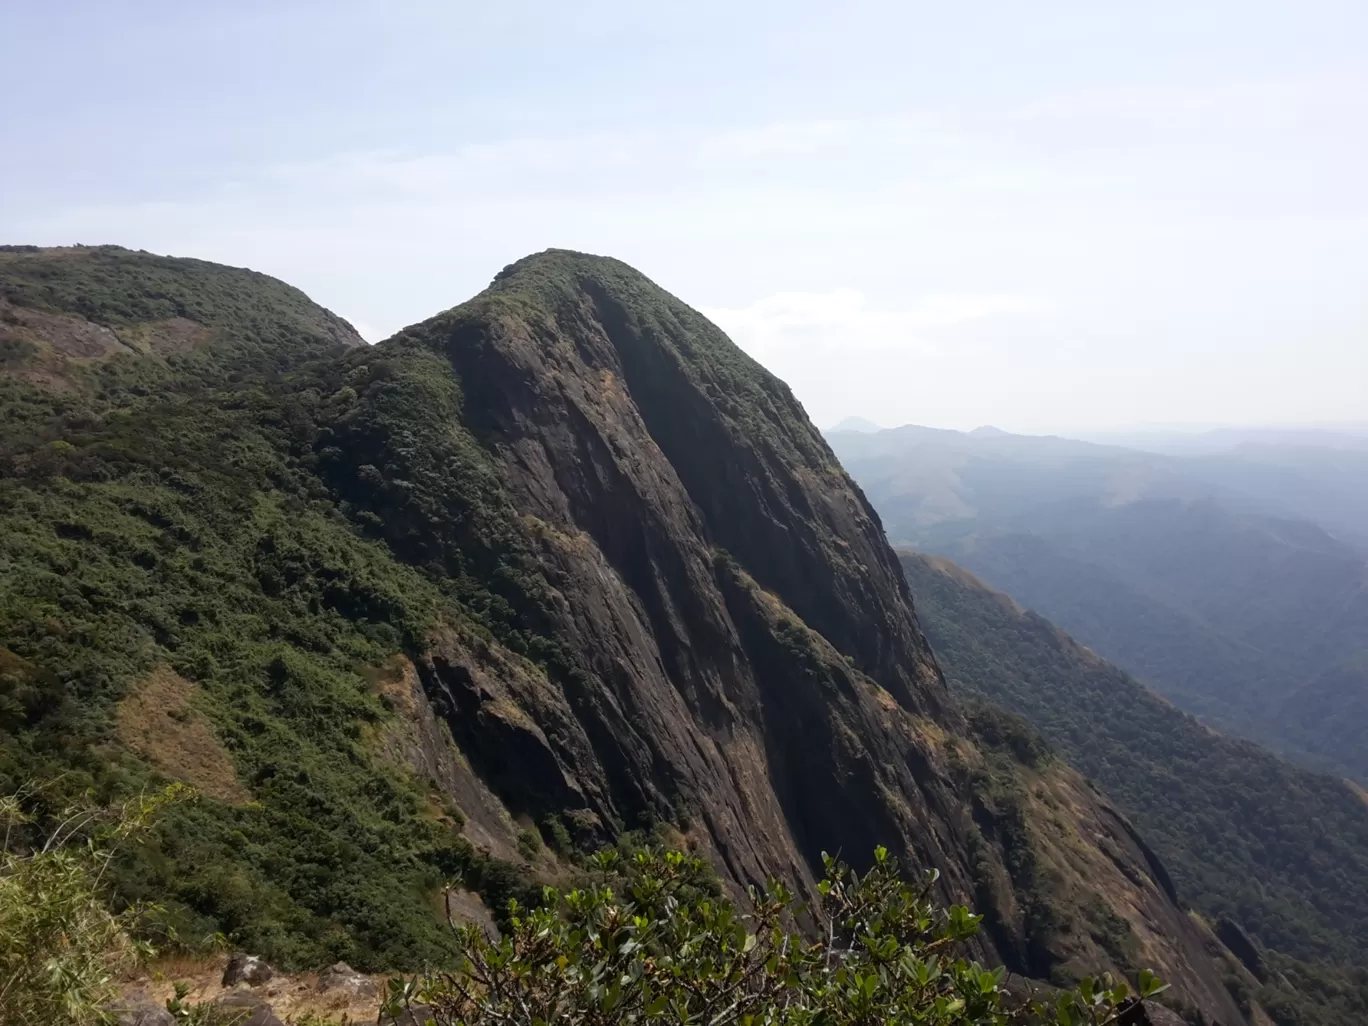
x,y
61,946
644,943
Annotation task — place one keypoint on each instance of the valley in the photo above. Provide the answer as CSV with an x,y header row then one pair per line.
x,y
1224,600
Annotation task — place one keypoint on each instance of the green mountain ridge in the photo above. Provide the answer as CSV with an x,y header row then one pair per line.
x,y
1279,851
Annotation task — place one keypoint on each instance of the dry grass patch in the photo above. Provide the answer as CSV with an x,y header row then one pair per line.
x,y
1358,791
158,720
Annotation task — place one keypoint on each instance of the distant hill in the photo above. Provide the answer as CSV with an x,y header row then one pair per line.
x,y
1324,483
1256,622
856,424
925,477
1229,439
1279,851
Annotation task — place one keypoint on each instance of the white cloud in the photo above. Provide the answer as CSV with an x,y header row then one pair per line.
x,y
843,355
843,323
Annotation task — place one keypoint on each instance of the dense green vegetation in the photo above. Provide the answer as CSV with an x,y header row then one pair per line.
x,y
646,943
647,938
178,513
1279,850
1258,626
1203,672
118,288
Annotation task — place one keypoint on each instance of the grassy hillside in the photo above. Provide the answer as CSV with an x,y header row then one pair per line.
x,y
124,289
1280,851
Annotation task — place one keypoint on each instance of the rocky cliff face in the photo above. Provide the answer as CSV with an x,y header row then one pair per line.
x,y
650,595
739,647
724,594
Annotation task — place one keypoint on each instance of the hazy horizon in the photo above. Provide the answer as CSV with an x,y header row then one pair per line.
x,y
1055,219
1177,429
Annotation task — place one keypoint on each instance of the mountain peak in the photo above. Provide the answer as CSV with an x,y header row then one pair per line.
x,y
550,260
860,424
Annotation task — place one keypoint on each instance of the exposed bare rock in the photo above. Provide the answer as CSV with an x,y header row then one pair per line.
x,y
137,1009
343,979
466,907
159,720
248,969
61,334
247,1009
421,741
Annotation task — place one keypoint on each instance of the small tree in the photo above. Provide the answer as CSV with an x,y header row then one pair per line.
x,y
667,952
61,947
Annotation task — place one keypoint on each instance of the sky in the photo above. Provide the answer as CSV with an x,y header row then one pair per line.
x,y
1047,216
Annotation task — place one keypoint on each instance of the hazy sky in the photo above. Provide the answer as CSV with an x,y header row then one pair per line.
x,y
1043,215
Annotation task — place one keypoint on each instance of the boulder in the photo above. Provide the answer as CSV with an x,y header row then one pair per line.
x,y
140,1010
464,906
248,969
244,1008
343,979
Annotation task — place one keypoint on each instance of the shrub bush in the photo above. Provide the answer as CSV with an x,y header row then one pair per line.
x,y
61,947
647,941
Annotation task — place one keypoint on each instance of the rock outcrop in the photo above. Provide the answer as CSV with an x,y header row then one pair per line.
x,y
342,979
247,969
138,1009
734,646
243,1008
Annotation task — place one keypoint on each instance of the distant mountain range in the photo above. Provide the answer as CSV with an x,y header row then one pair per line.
x,y
1215,441
857,424
1234,583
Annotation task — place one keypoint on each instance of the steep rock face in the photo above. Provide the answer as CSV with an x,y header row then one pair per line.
x,y
738,645
641,445
653,705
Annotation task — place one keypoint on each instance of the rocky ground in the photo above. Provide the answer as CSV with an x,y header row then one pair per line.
x,y
250,993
